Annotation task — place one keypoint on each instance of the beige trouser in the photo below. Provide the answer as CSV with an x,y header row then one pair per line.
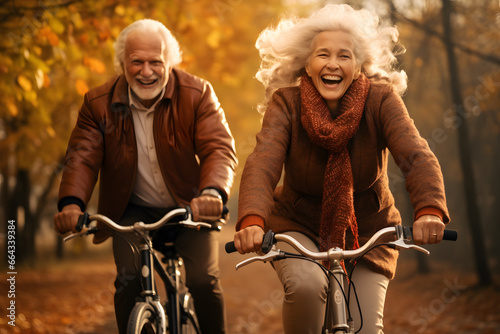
x,y
305,286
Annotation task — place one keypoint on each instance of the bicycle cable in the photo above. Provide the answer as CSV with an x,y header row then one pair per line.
x,y
327,273
349,275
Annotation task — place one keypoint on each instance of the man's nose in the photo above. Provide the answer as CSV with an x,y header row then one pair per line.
x,y
146,70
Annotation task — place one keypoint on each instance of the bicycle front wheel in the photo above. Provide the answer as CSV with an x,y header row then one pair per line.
x,y
189,321
143,320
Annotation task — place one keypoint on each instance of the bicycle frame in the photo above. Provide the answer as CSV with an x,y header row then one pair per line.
x,y
336,309
151,263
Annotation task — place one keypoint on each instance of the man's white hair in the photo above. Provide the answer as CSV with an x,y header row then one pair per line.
x,y
147,26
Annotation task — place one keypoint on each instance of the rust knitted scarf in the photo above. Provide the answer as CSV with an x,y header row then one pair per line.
x,y
337,211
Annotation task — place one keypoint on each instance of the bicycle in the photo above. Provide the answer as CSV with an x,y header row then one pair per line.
x,y
338,318
177,315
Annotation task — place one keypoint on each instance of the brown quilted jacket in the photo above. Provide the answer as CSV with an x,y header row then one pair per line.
x,y
194,145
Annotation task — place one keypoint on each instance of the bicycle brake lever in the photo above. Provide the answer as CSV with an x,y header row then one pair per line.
x,y
272,255
190,223
92,230
401,244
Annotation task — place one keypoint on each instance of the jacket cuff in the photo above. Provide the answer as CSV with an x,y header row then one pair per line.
x,y
251,220
222,195
70,200
429,210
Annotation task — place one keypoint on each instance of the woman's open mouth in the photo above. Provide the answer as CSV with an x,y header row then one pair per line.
x,y
329,79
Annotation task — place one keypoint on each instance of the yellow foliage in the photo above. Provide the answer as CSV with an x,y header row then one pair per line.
x,y
213,39
56,25
77,21
51,132
120,10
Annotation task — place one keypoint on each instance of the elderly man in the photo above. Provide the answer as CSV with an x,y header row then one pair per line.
x,y
160,140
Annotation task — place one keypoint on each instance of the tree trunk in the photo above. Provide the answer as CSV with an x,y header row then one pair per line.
x,y
27,234
472,211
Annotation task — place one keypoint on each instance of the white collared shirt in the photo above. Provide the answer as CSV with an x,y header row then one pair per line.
x,y
149,188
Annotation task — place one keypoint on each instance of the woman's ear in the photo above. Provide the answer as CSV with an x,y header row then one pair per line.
x,y
358,73
307,70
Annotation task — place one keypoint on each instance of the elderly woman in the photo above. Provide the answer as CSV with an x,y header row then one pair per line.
x,y
332,113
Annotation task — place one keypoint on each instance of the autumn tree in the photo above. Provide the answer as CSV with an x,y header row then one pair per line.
x,y
55,50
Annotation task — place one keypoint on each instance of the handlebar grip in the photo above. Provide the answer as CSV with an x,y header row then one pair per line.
x,y
267,243
450,235
230,247
83,220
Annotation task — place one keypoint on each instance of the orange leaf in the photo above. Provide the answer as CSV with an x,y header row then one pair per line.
x,y
12,108
47,33
84,39
24,82
95,65
46,81
81,87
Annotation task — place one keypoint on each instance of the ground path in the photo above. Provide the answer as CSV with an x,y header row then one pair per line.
x,y
77,297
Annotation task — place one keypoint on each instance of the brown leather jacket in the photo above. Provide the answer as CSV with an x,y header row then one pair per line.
x,y
296,204
194,145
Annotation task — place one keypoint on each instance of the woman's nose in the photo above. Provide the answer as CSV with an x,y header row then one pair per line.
x,y
332,64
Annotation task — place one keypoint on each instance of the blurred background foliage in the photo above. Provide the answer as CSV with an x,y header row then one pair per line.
x,y
53,51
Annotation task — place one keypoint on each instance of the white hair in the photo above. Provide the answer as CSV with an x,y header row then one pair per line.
x,y
285,49
172,54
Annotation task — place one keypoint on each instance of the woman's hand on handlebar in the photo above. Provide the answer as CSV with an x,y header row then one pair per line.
x,y
249,239
66,220
428,229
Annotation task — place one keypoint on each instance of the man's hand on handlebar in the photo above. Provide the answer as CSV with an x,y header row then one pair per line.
x,y
428,229
66,220
249,239
206,208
